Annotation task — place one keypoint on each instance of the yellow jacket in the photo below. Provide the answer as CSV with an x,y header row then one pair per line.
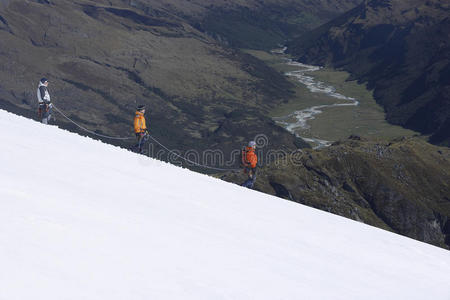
x,y
139,123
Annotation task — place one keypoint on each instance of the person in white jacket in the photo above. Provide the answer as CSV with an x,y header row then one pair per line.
x,y
45,104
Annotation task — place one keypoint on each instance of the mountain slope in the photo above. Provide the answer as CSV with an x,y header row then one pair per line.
x,y
105,57
401,49
84,220
261,24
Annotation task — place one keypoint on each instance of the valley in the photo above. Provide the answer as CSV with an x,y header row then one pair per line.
x,y
400,49
326,106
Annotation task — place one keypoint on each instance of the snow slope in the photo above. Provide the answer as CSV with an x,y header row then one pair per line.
x,y
80,219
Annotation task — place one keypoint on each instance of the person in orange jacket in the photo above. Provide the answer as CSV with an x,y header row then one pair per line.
x,y
250,161
140,128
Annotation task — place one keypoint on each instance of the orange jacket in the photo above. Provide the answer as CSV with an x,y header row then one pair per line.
x,y
250,157
139,123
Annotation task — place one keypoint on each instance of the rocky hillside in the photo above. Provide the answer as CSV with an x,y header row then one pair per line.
x,y
252,23
264,24
402,50
105,57
402,185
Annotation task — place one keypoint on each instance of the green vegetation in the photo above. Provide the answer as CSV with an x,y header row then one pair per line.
x,y
367,119
334,123
305,19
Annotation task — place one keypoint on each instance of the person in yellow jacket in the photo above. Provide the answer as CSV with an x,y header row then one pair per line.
x,y
140,128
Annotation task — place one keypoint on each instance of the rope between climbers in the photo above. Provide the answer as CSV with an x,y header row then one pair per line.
x,y
90,131
190,161
151,137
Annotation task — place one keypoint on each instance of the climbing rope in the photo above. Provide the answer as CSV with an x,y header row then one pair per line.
x,y
151,137
90,131
188,160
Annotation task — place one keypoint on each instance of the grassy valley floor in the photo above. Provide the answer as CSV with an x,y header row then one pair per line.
x,y
334,123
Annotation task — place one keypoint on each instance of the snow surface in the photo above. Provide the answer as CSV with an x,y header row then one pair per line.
x,y
80,219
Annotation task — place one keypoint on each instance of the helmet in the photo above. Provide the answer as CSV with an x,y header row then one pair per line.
x,y
141,107
44,80
252,144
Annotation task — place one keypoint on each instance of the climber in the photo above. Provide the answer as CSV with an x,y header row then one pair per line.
x,y
140,129
45,105
249,162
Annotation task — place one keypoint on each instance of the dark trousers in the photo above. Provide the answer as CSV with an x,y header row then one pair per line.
x,y
45,113
142,139
250,182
